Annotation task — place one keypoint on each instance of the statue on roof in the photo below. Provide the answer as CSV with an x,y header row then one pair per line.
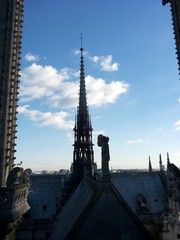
x,y
25,179
18,176
14,177
103,142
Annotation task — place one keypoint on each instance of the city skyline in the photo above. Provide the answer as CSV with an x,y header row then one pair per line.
x,y
131,79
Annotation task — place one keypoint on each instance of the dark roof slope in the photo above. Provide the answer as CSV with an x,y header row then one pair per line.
x,y
74,208
149,184
45,196
98,212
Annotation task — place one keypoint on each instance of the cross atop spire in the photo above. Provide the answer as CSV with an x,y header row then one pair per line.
x,y
81,38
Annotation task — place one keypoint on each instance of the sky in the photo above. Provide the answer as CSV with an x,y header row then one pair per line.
x,y
132,82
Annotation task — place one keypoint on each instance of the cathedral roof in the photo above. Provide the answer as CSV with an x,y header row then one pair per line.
x,y
46,194
74,208
98,211
149,184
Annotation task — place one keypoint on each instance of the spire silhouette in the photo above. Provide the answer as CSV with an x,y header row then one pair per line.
x,y
83,155
81,42
168,160
160,163
150,165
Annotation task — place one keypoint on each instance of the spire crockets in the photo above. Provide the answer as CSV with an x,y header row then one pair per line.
x,y
83,155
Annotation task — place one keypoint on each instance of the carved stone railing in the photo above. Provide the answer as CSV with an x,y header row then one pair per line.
x,y
13,198
13,202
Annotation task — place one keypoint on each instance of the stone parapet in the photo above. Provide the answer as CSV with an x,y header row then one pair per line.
x,y
13,202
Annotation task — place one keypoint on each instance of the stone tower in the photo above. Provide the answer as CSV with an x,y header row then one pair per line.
x,y
83,155
14,182
175,11
11,13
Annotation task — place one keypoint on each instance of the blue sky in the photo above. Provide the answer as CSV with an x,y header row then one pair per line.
x,y
131,76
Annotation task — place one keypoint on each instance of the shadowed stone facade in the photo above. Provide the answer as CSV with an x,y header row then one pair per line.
x,y
11,13
175,12
14,182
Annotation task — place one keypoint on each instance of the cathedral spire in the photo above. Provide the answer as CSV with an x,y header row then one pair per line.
x,y
168,160
160,163
82,93
81,42
83,155
150,165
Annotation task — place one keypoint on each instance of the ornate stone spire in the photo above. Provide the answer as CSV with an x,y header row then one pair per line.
x,y
83,155
150,166
160,163
168,161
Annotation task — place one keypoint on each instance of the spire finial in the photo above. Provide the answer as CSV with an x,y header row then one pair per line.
x,y
81,42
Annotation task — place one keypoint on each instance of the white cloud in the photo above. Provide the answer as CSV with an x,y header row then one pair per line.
x,y
57,89
177,123
100,93
31,57
46,81
177,129
134,141
77,52
105,63
95,59
57,119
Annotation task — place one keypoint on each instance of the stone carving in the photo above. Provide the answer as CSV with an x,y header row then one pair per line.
x,y
103,142
3,198
174,184
25,176
142,203
14,177
18,176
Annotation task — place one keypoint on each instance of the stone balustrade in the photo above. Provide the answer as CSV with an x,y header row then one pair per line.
x,y
13,197
13,202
